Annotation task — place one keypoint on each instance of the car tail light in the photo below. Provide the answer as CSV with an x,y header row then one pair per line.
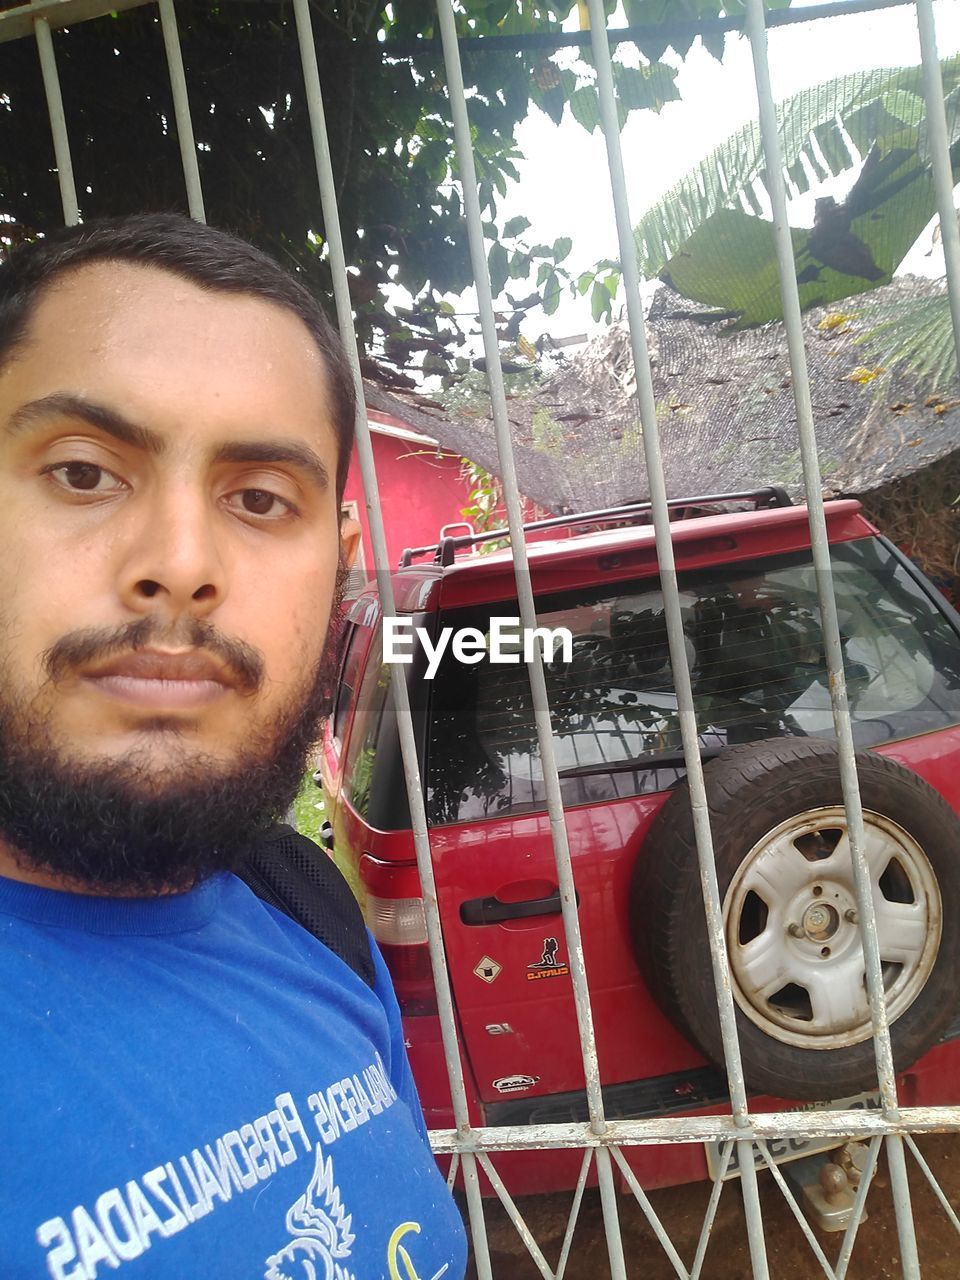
x,y
400,928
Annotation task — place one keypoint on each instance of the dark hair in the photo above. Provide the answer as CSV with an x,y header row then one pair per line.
x,y
207,257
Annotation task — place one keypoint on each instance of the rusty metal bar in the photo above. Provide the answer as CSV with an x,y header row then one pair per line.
x,y
820,554
674,618
399,691
940,159
708,1218
852,1125
528,618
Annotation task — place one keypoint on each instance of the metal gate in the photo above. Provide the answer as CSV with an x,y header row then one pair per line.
x,y
602,1140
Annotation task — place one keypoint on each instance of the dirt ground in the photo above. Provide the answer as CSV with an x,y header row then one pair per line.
x,y
875,1256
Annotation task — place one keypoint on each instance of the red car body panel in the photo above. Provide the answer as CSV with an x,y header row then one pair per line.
x,y
522,1023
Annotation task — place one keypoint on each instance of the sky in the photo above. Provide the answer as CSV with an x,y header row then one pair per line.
x,y
715,99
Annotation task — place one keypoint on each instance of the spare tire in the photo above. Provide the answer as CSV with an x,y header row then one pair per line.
x,y
790,919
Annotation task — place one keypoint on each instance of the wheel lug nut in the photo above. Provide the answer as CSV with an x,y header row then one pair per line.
x,y
794,931
850,916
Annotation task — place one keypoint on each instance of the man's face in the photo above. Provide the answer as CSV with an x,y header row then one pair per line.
x,y
168,520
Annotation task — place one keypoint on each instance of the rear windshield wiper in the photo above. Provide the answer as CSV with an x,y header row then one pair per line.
x,y
652,760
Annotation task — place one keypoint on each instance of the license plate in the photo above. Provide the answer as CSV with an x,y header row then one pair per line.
x,y
783,1150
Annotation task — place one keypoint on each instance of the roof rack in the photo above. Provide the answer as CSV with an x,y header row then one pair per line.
x,y
446,549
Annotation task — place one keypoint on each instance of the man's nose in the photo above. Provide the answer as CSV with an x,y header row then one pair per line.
x,y
173,561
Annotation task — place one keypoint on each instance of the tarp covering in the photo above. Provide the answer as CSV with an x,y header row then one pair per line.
x,y
725,407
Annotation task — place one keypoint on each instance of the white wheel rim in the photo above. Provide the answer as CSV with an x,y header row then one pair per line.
x,y
795,949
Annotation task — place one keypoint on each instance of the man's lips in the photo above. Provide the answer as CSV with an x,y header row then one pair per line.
x,y
156,680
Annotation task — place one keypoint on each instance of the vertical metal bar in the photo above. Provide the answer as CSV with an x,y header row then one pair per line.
x,y
856,1216
527,608
181,110
58,123
478,1227
902,1207
752,1211
399,691
819,544
674,617
668,573
820,551
675,626
611,1215
940,156
528,618
726,1151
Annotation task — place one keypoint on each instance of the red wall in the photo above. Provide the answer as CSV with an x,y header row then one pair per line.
x,y
421,490
419,493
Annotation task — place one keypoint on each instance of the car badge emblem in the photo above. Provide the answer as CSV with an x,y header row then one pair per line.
x,y
549,965
515,1084
488,970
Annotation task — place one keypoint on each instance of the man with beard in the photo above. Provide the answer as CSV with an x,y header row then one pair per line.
x,y
193,1085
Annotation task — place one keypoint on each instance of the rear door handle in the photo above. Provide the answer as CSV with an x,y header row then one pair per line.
x,y
492,910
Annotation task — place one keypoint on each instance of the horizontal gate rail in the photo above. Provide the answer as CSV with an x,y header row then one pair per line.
x,y
855,1125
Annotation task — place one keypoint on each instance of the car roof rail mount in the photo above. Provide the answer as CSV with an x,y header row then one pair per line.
x,y
444,551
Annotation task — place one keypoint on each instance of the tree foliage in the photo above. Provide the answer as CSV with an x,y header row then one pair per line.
x,y
390,130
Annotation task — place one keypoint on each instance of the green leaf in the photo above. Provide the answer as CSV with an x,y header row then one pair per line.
x,y
516,226
873,107
648,86
520,264
585,105
562,247
915,336
714,43
730,261
585,281
551,294
907,107
499,269
600,301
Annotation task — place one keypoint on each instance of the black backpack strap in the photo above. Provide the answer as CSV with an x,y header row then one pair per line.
x,y
289,872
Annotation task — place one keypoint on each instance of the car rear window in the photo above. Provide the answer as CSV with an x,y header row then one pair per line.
x,y
755,651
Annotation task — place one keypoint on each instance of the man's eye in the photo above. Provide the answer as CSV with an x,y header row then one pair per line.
x,y
259,502
85,477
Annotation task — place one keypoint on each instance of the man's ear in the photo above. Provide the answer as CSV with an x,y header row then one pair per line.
x,y
350,534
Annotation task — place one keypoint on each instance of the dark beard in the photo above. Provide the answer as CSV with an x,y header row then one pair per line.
x,y
122,828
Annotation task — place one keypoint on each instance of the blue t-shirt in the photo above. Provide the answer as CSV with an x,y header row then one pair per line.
x,y
193,1086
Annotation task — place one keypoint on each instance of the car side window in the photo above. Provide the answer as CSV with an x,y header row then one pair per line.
x,y
355,642
361,752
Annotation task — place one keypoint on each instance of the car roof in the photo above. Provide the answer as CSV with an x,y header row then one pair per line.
x,y
579,559
615,554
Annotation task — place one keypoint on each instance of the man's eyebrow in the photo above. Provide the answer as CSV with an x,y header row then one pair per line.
x,y
64,404
289,452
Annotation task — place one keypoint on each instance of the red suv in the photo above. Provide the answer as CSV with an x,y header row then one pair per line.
x,y
761,688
